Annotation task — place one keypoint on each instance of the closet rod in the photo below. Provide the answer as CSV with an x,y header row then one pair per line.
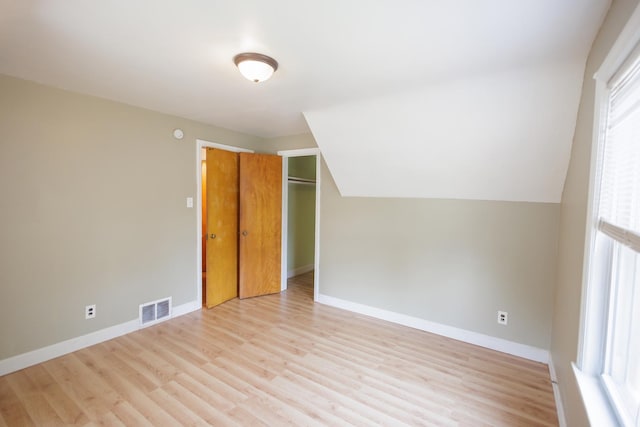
x,y
298,180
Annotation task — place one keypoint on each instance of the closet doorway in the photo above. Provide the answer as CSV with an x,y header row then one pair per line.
x,y
239,207
201,230
301,215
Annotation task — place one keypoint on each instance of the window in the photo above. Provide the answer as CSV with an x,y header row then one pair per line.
x,y
619,223
610,349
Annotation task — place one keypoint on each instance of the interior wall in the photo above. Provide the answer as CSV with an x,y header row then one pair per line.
x,y
566,314
301,214
292,142
93,211
454,262
302,167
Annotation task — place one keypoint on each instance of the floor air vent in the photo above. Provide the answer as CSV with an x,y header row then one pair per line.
x,y
155,311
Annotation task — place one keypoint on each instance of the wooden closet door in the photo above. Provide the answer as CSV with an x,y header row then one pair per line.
x,y
260,224
222,226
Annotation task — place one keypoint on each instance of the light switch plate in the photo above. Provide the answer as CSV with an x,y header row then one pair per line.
x,y
189,202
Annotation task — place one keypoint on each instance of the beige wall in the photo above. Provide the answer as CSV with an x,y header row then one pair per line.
x,y
293,142
453,262
93,212
566,315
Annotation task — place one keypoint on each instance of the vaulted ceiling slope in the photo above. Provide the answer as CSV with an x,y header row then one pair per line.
x,y
501,136
411,98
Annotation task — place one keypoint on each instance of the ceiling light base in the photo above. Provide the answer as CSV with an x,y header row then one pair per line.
x,y
255,66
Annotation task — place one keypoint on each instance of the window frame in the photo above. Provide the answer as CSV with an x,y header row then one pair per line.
x,y
591,360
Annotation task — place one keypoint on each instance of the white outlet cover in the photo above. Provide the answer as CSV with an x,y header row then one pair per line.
x,y
90,311
503,317
189,202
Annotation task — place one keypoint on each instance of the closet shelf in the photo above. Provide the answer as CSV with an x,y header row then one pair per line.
x,y
298,180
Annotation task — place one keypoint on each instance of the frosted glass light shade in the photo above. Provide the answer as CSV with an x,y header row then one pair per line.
x,y
255,66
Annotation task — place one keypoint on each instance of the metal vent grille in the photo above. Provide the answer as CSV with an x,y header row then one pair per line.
x,y
163,309
148,313
155,311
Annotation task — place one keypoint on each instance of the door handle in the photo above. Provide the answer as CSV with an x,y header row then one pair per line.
x,y
245,232
213,236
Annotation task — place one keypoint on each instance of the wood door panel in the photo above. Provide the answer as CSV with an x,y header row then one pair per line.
x,y
203,178
222,222
260,224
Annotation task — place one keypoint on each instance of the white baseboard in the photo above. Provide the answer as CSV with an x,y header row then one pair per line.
x,y
562,420
43,354
493,343
186,308
300,270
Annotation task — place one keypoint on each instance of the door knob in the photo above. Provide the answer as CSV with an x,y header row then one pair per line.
x,y
213,236
245,232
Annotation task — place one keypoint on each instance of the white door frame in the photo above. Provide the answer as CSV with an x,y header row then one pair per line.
x,y
285,203
200,144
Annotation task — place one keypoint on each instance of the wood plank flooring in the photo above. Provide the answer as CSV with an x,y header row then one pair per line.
x,y
280,360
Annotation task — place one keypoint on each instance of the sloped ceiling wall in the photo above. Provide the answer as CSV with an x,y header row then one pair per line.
x,y
503,136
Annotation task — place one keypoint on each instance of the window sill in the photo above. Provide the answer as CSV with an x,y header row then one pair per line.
x,y
596,402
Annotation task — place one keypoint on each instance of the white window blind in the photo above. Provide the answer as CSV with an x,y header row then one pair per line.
x,y
620,185
624,236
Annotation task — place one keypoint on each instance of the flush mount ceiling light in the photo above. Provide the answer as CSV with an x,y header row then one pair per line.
x,y
255,66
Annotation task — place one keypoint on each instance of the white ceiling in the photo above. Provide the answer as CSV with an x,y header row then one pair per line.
x,y
420,76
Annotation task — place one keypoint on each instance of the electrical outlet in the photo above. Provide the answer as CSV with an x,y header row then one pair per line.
x,y
90,311
503,317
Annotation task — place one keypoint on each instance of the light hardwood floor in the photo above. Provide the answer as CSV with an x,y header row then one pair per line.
x,y
280,360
